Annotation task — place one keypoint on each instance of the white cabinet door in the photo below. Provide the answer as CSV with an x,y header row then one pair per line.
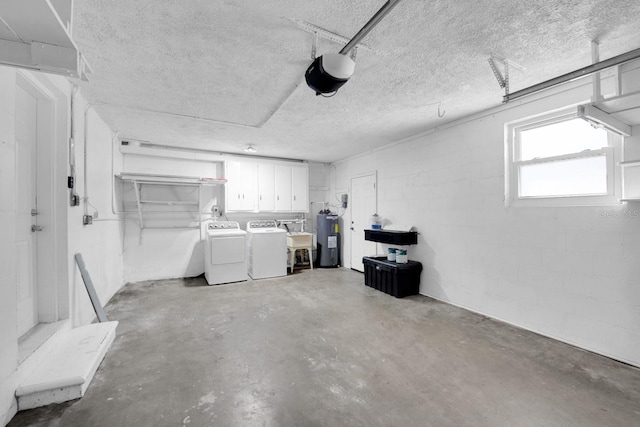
x,y
266,187
283,188
250,193
241,189
233,188
299,189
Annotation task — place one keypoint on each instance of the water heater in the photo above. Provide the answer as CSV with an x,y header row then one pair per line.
x,y
328,240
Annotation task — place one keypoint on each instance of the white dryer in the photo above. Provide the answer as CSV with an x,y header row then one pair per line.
x,y
224,253
266,249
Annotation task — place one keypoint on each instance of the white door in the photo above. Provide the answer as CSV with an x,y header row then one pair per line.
x,y
363,205
26,239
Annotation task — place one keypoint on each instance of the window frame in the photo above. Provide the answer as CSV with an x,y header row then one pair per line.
x,y
512,166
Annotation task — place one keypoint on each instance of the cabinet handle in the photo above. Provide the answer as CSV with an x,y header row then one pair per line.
x,y
238,196
294,198
277,197
242,196
261,197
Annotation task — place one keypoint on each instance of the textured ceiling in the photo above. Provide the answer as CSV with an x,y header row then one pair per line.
x,y
221,75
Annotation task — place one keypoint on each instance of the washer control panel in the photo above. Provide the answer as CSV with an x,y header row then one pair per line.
x,y
263,223
223,225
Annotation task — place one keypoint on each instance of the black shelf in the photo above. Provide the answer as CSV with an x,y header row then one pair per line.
x,y
392,237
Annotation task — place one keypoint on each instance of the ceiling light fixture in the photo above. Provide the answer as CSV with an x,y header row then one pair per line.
x,y
250,149
329,72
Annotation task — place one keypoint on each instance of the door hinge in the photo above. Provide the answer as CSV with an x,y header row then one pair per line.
x,y
35,228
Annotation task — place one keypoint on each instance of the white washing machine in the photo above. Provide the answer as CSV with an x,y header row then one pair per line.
x,y
266,249
224,253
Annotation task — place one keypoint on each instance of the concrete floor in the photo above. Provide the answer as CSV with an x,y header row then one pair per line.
x,y
318,348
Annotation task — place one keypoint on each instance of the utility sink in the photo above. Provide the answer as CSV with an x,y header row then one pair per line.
x,y
299,240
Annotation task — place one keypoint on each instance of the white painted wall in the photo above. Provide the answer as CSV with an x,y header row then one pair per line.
x,y
568,273
100,243
161,253
8,313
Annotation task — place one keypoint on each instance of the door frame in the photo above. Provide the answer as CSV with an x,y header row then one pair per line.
x,y
53,127
351,178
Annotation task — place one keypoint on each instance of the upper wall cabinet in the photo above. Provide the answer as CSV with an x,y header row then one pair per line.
x,y
292,188
266,187
299,189
241,192
283,188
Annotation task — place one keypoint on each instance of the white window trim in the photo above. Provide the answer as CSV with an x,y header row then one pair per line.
x,y
612,153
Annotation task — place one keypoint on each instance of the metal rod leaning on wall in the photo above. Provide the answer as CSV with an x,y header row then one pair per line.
x,y
91,290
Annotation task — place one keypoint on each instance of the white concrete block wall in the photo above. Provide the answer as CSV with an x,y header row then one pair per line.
x,y
157,253
568,273
101,244
319,174
162,253
8,291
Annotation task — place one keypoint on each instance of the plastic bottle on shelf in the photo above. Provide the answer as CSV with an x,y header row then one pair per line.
x,y
376,222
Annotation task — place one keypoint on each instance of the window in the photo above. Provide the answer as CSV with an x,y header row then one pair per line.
x,y
560,160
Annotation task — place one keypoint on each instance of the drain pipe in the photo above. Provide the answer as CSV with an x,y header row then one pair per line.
x,y
86,218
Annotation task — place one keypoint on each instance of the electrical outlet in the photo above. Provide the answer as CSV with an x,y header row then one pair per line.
x,y
87,220
74,200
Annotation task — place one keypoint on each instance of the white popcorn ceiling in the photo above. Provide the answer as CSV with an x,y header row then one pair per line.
x,y
220,75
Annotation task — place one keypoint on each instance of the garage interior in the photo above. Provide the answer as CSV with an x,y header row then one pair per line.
x,y
132,132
